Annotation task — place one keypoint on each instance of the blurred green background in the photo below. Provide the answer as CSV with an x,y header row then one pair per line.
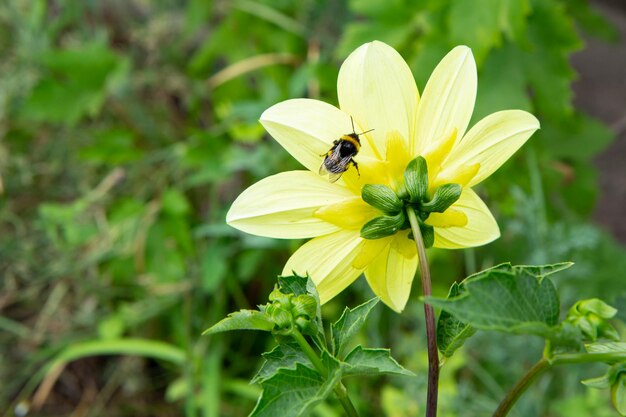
x,y
127,127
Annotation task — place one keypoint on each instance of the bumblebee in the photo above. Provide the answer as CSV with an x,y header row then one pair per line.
x,y
339,158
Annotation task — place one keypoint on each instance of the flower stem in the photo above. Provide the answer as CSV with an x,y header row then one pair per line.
x,y
545,363
429,314
340,390
516,392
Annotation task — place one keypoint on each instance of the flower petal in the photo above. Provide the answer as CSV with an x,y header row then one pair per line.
x,y
282,206
350,214
491,142
391,273
398,157
306,128
376,87
448,100
481,227
328,261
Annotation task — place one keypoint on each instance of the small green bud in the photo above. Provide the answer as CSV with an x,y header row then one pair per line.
x,y
587,328
304,305
444,197
618,389
305,326
606,331
275,294
590,317
383,226
595,306
280,299
281,318
381,197
416,179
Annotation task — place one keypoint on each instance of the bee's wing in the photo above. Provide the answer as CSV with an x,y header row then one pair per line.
x,y
323,170
332,155
334,176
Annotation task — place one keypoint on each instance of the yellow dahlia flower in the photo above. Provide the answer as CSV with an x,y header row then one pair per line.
x,y
376,88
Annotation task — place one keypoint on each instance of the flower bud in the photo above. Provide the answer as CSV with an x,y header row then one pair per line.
x,y
590,317
595,306
618,388
304,305
280,299
383,226
381,197
281,318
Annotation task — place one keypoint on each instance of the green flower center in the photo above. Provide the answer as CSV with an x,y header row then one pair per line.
x,y
413,195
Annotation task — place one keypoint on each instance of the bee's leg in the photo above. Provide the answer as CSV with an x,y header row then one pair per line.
x,y
357,167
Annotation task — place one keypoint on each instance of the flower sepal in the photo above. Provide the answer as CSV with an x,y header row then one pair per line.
x,y
382,197
427,232
384,226
444,197
416,179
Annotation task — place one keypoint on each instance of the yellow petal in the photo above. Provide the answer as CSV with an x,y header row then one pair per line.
x,y
491,142
306,128
377,88
370,250
328,260
398,157
438,152
390,276
404,245
351,213
448,99
462,175
449,218
481,227
371,171
282,206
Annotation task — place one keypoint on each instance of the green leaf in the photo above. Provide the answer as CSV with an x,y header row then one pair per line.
x,y
503,83
364,361
452,332
74,85
349,324
242,320
591,21
294,392
293,284
475,26
506,299
600,382
125,346
541,270
283,356
554,37
606,347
